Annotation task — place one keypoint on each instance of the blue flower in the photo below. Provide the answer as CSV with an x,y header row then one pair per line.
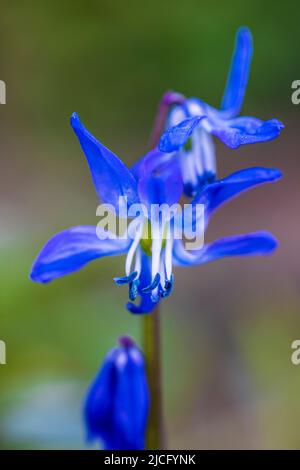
x,y
192,124
152,249
117,402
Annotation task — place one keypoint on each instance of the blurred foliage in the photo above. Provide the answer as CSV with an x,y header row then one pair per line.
x,y
106,58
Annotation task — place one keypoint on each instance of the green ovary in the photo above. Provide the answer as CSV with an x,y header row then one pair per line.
x,y
146,240
188,145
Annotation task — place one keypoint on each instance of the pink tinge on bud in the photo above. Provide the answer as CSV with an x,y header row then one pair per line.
x,y
126,341
172,97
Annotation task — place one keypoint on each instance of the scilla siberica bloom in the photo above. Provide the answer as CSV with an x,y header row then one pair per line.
x,y
190,126
117,402
156,179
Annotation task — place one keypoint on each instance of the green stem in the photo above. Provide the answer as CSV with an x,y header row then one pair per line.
x,y
152,345
151,322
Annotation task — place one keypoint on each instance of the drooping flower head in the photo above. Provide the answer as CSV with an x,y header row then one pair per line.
x,y
117,402
149,242
191,126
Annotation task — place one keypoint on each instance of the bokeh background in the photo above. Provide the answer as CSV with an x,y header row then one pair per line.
x,y
228,327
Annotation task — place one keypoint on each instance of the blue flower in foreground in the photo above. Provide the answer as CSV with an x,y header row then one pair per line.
x,y
117,403
192,124
156,179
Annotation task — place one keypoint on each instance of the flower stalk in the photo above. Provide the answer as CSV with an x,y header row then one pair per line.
x,y
151,334
152,354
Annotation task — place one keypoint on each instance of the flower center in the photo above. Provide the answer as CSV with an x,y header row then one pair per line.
x,y
188,145
146,240
156,242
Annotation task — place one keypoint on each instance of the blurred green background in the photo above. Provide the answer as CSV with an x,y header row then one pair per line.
x,y
228,327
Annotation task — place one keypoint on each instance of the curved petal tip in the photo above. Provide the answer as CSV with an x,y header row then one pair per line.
x,y
75,121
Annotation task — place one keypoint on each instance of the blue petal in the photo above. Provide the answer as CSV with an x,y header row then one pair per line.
x,y
99,404
71,249
160,180
112,179
147,303
177,136
131,402
219,192
239,73
258,243
245,130
152,159
117,403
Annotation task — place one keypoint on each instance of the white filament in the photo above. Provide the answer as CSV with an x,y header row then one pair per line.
x,y
134,245
156,251
208,151
162,273
138,261
176,116
168,252
197,149
187,163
